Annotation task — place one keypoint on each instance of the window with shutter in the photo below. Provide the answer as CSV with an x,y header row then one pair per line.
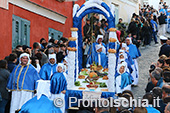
x,y
55,34
20,31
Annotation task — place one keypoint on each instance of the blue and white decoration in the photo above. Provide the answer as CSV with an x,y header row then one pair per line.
x,y
91,6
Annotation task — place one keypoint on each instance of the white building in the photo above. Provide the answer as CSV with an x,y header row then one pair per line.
x,y
124,8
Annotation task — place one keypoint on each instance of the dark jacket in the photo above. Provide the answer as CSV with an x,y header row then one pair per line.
x,y
164,50
161,19
4,74
60,56
44,59
11,66
146,30
133,28
87,30
149,87
161,106
135,41
166,100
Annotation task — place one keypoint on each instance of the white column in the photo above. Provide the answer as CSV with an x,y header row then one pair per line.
x,y
74,33
112,34
111,72
112,60
71,69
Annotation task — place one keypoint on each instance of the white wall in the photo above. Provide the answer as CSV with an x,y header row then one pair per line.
x,y
125,8
39,10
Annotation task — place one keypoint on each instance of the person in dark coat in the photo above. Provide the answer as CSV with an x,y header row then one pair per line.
x,y
136,41
12,61
157,93
165,48
146,32
87,29
162,23
166,93
156,80
133,28
62,53
4,74
11,64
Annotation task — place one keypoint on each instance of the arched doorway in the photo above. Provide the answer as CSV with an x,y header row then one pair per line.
x,y
92,6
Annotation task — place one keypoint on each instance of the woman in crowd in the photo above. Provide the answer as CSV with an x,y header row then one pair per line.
x,y
4,74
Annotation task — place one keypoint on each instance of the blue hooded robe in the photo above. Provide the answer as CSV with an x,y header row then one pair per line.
x,y
43,105
47,70
92,52
134,51
58,83
23,78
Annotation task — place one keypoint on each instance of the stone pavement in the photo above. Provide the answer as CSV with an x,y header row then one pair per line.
x,y
149,55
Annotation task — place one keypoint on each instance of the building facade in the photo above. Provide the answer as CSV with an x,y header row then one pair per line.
x,y
27,21
124,8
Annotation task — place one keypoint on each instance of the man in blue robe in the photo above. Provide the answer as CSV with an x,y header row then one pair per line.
x,y
22,82
100,57
49,68
92,50
133,50
134,53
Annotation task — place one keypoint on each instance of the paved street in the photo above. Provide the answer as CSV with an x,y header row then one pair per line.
x,y
149,55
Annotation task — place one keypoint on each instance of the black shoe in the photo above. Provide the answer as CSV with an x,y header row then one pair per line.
x,y
134,85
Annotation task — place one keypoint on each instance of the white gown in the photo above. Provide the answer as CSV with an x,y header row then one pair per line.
x,y
136,72
18,99
62,96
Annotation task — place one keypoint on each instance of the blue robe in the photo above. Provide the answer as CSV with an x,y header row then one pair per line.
x,y
126,79
92,52
23,78
47,70
134,51
58,83
103,57
43,105
129,66
129,58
